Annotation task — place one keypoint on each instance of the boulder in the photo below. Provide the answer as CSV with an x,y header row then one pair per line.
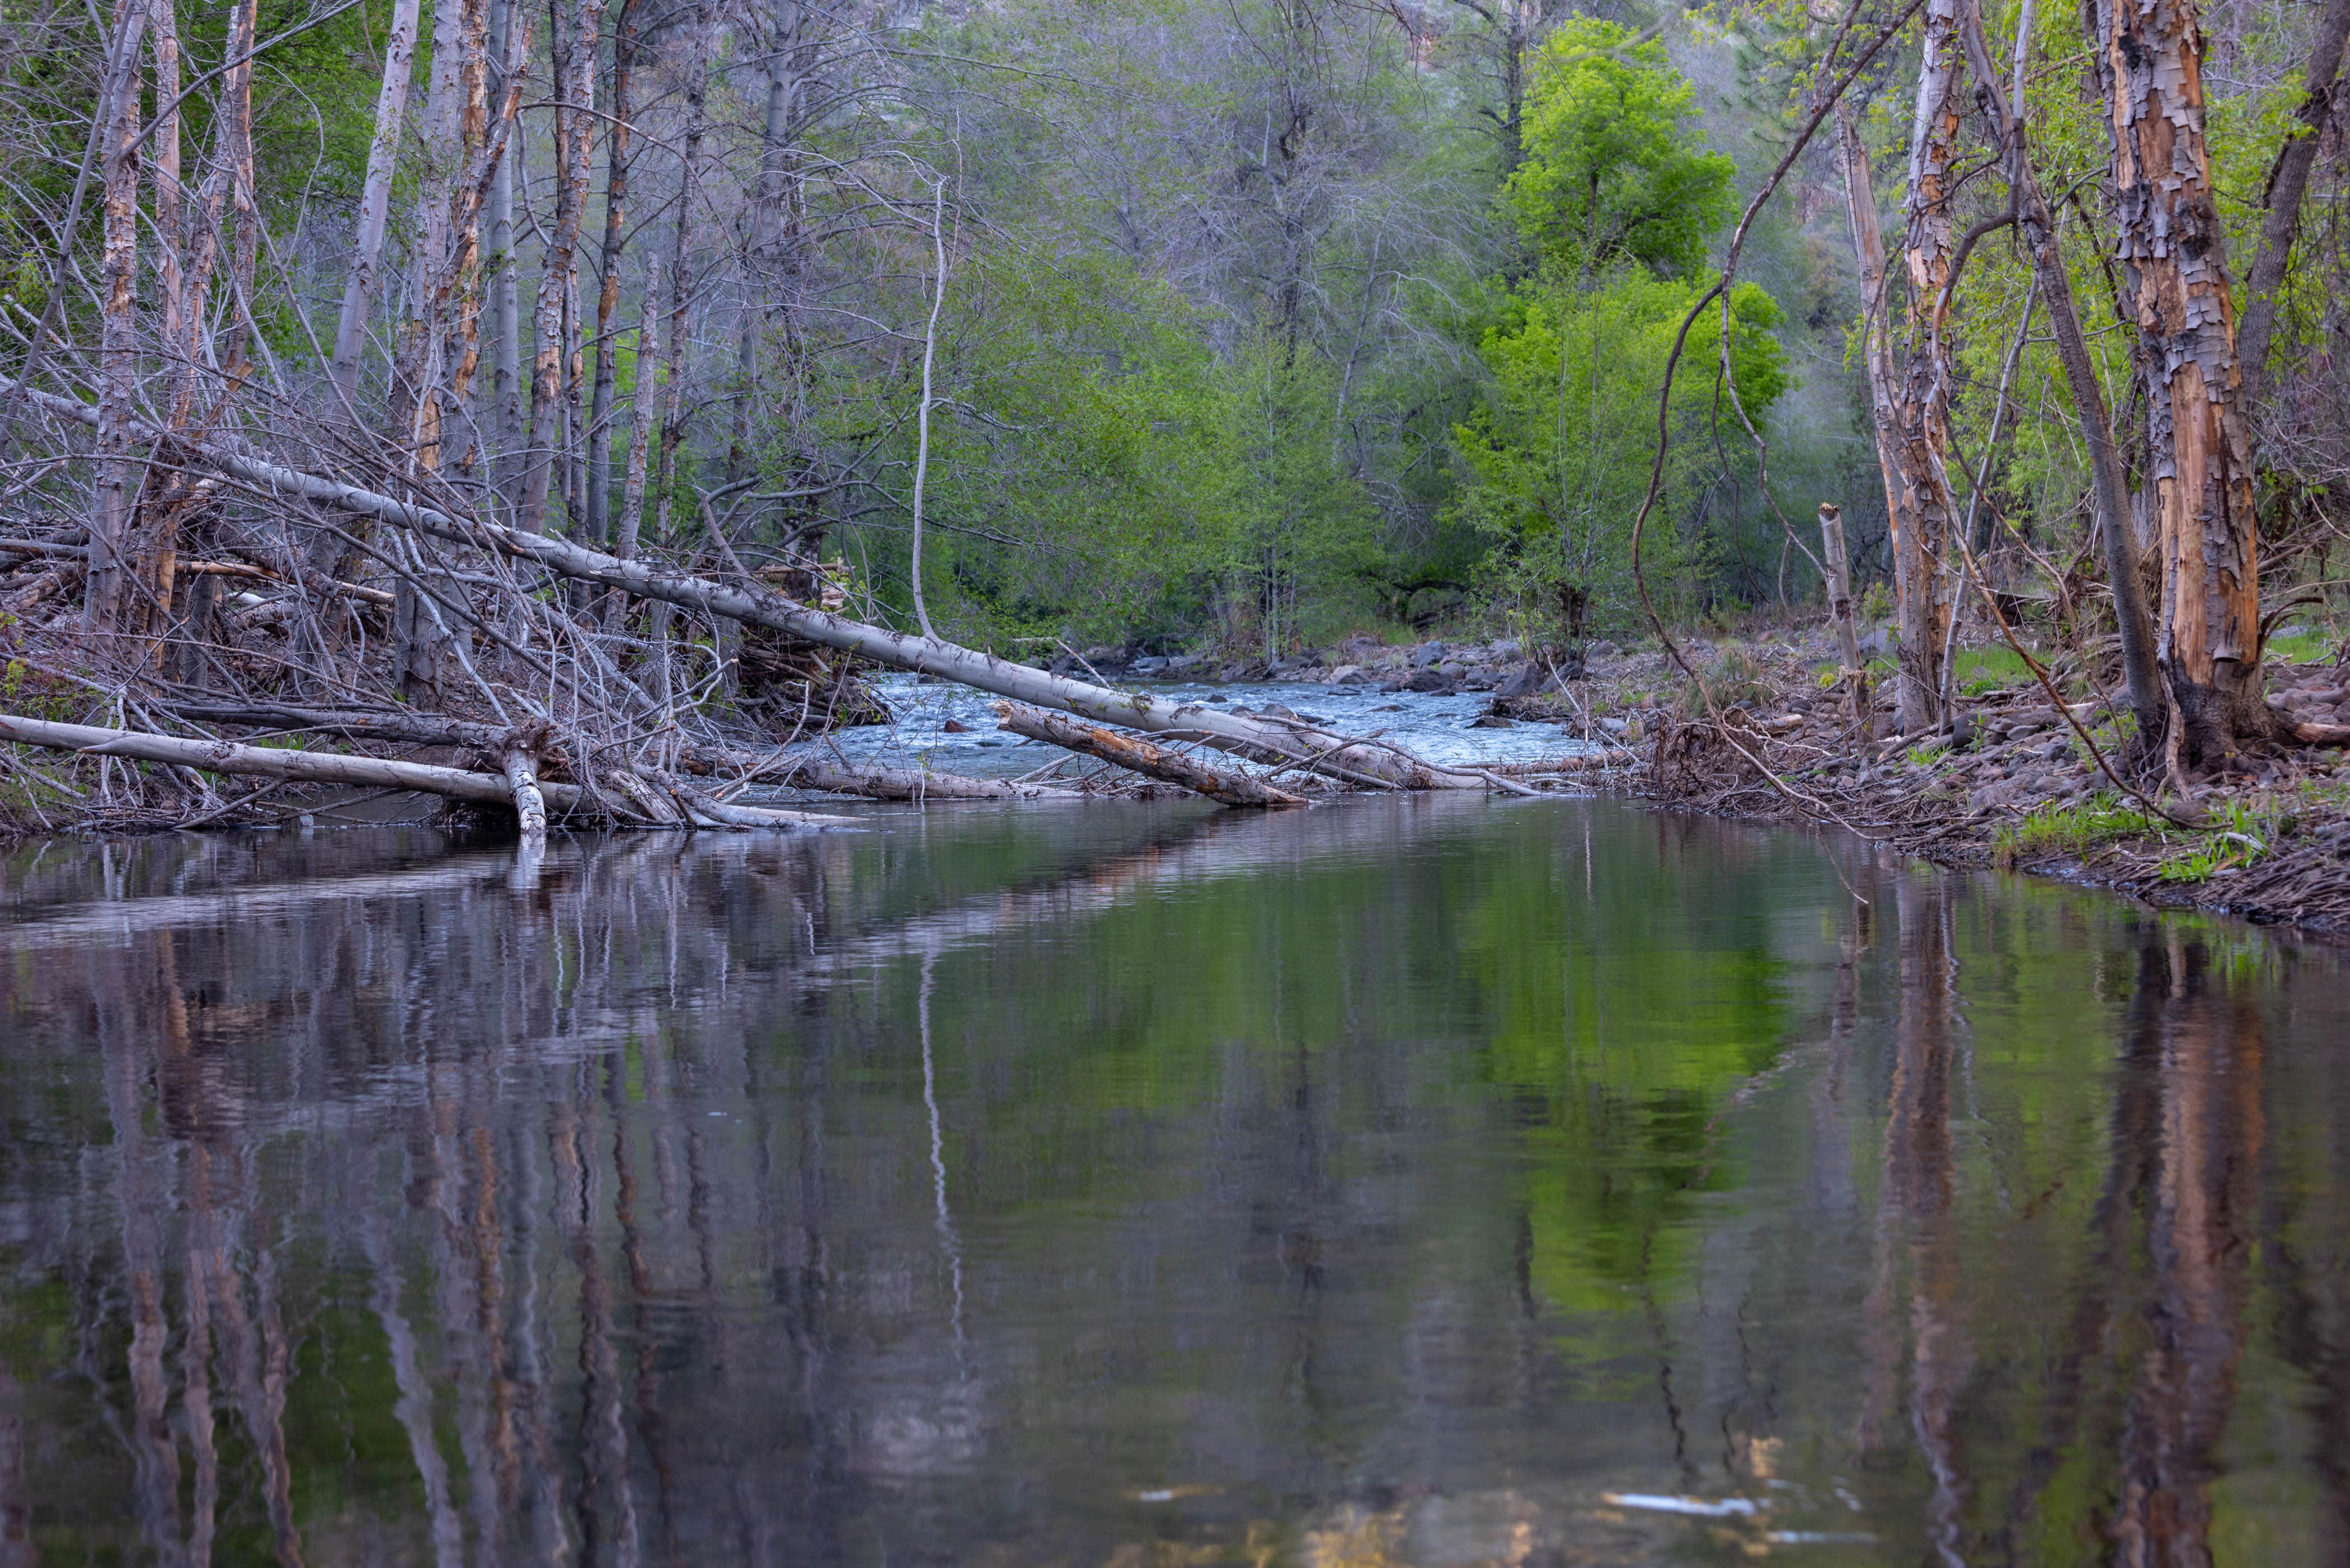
x,y
1490,722
1350,675
1428,680
1523,681
1425,654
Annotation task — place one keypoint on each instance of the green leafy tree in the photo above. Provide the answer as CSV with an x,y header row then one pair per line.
x,y
1612,172
1560,453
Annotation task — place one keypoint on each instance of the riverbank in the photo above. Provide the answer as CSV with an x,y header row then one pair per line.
x,y
2014,787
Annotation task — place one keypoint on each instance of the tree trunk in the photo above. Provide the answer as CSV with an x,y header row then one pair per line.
x,y
681,268
1837,570
910,784
242,224
1919,486
1141,757
2173,253
770,199
375,199
2281,219
504,420
529,796
460,307
608,297
414,411
1875,304
575,91
171,235
640,418
277,761
107,592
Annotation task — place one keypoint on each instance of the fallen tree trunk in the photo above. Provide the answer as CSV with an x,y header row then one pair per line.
x,y
1142,757
529,796
908,783
805,773
415,729
269,762
755,606
518,787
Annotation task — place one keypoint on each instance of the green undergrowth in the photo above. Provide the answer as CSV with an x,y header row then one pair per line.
x,y
1976,671
2238,833
2301,645
2077,829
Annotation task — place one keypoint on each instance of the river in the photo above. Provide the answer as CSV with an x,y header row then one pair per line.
x,y
1440,1182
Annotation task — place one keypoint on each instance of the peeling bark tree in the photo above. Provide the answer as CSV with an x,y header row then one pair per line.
x,y
2174,260
1916,481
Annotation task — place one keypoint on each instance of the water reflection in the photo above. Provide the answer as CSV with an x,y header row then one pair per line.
x,y
1431,1182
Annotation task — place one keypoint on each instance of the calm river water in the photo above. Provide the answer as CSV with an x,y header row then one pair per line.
x,y
1398,1182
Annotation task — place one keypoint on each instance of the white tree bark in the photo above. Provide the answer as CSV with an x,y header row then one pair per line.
x,y
375,197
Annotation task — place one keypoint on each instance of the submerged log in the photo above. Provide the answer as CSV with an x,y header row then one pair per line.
x,y
1142,757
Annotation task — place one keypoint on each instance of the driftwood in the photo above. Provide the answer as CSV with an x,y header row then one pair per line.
x,y
1142,757
754,605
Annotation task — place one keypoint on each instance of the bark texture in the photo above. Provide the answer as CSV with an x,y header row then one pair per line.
x,y
2173,255
1916,481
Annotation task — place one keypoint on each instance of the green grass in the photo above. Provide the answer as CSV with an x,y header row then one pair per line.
x,y
2075,829
1989,668
2301,645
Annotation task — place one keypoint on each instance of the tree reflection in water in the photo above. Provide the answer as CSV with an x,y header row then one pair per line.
x,y
1136,1186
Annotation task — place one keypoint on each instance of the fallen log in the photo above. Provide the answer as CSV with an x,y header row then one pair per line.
x,y
529,798
910,784
518,787
1142,757
275,762
754,605
726,814
413,728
